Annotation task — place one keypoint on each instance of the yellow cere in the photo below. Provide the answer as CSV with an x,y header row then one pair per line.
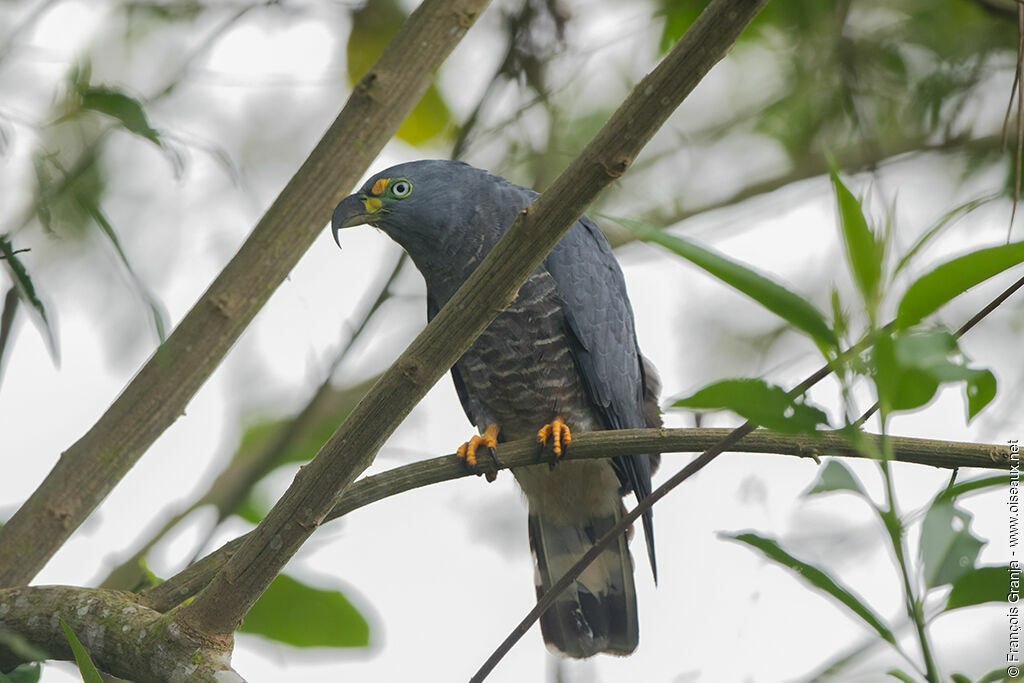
x,y
372,204
380,186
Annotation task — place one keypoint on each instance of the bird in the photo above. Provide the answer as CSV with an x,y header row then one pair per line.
x,y
563,357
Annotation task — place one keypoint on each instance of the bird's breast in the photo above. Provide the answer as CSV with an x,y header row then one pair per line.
x,y
520,373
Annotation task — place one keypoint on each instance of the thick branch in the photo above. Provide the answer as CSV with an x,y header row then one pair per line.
x,y
87,472
123,637
221,606
368,490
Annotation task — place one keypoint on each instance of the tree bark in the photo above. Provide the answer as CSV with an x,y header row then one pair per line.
x,y
158,394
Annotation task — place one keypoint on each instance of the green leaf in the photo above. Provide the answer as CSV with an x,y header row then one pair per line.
x,y
7,313
980,390
901,675
959,678
27,292
951,217
899,388
819,579
910,367
948,548
995,675
960,488
930,352
23,673
761,403
840,322
863,251
127,110
798,312
156,308
85,666
835,476
980,585
929,292
297,614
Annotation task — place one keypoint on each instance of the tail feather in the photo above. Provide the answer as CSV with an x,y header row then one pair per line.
x,y
597,613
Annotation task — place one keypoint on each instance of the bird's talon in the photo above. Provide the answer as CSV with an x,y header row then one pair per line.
x,y
467,452
560,436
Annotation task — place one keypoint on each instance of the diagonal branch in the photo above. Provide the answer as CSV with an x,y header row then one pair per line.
x,y
158,394
222,604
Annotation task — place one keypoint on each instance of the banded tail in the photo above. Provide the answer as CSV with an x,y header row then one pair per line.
x,y
597,613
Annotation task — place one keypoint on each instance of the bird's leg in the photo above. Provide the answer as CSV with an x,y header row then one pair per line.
x,y
467,451
560,438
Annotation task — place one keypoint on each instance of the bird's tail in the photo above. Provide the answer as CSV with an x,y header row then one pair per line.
x,y
597,612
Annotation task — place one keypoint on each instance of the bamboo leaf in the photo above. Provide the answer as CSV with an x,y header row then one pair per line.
x,y
864,251
156,308
817,578
85,666
27,292
127,110
929,292
795,310
950,217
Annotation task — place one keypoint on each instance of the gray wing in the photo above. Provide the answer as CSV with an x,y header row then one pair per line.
x,y
460,386
600,318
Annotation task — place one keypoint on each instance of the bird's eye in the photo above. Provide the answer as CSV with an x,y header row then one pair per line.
x,y
401,188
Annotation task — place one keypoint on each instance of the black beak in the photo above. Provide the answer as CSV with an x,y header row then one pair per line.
x,y
351,211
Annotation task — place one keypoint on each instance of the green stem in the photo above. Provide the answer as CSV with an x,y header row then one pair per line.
x,y
893,524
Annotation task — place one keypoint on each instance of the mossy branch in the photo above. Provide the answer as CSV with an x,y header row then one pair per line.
x,y
123,637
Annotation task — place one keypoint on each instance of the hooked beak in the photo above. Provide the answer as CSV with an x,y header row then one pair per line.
x,y
351,211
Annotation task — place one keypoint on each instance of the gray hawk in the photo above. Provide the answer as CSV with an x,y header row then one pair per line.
x,y
563,356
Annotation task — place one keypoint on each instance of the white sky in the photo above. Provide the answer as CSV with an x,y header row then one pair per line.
x,y
444,573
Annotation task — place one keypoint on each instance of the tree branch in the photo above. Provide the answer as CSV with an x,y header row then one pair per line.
x,y
606,444
223,603
158,394
123,637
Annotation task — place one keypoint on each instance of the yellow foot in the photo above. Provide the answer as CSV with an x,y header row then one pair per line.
x,y
467,451
560,438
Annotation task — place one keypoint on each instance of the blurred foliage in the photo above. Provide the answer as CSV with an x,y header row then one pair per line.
x,y
867,71
23,673
373,27
23,290
301,615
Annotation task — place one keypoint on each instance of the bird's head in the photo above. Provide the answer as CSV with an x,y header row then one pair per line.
x,y
417,199
445,214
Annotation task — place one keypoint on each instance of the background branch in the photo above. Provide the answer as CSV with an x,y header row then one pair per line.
x,y
158,394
